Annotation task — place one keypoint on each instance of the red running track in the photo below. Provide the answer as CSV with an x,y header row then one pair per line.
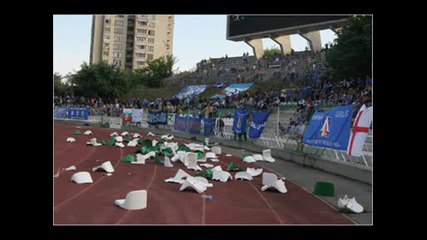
x,y
233,202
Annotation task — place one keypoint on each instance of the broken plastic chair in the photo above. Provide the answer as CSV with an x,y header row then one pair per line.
x,y
150,134
191,162
81,177
77,132
114,133
88,132
254,172
178,178
157,160
106,166
71,168
207,174
243,176
228,155
266,155
180,155
210,155
167,137
193,183
71,139
124,133
133,143
119,144
136,135
118,139
204,181
134,200
93,143
190,156
216,150
258,157
270,180
128,158
342,202
206,165
57,174
167,162
234,166
354,206
248,159
214,160
140,159
222,176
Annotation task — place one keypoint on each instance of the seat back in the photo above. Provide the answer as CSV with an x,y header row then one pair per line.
x,y
136,200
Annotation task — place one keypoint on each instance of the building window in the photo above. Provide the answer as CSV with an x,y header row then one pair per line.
x,y
141,47
141,39
152,17
107,37
118,30
119,23
150,48
107,29
121,16
117,63
117,54
117,46
152,25
140,55
151,32
151,40
142,23
150,56
105,53
139,63
107,21
118,38
141,31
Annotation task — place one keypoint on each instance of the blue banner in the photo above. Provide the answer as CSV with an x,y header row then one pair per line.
x,y
240,120
60,112
193,125
330,129
191,91
78,113
259,119
157,118
209,127
186,124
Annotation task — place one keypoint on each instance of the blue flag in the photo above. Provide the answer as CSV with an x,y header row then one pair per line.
x,y
78,113
193,125
240,120
259,119
330,129
209,128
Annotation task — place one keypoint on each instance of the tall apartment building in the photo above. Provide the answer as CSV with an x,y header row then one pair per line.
x,y
128,41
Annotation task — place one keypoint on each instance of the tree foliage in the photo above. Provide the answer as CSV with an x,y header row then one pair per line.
x,y
104,80
273,51
351,53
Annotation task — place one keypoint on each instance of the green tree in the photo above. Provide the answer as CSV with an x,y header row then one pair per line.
x,y
57,84
272,51
351,53
159,69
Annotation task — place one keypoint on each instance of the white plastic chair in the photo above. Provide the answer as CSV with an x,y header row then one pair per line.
x,y
106,166
119,144
118,139
222,176
206,165
204,181
168,137
114,133
134,200
167,162
249,159
266,154
342,202
124,133
180,155
133,143
178,178
140,159
243,176
216,150
190,156
71,168
270,180
81,177
88,132
193,183
93,143
214,160
258,157
210,155
150,134
136,135
354,206
254,172
71,139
